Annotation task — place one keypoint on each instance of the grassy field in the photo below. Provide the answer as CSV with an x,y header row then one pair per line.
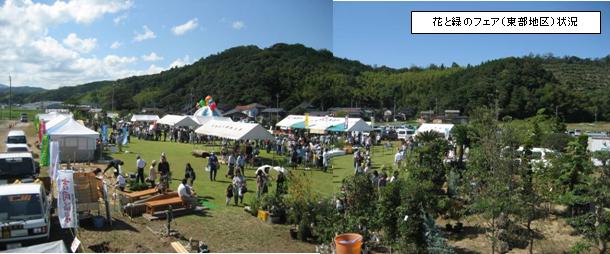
x,y
16,113
598,126
229,228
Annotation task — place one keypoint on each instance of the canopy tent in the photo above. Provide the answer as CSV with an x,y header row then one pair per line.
x,y
207,112
144,118
234,130
319,124
76,142
58,120
50,247
444,129
178,121
50,116
204,119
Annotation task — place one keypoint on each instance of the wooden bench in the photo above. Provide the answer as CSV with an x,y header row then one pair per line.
x,y
163,204
136,195
178,247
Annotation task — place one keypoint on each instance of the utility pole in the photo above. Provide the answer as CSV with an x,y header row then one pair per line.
x,y
112,103
277,106
10,97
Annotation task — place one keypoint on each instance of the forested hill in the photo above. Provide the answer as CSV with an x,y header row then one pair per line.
x,y
246,74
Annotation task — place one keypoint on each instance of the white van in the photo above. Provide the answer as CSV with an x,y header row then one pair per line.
x,y
18,166
25,214
404,134
16,137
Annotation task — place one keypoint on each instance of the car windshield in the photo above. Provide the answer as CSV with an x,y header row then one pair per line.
x,y
16,140
16,166
20,207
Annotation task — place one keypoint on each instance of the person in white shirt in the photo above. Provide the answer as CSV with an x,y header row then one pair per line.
x,y
140,164
186,194
398,159
121,182
325,160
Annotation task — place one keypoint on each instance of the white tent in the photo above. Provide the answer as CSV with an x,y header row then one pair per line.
x,y
319,124
234,130
58,120
204,119
178,121
144,118
444,129
598,144
76,142
50,116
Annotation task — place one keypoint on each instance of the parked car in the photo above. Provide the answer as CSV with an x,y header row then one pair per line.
x,y
24,118
17,148
25,214
16,137
18,166
404,134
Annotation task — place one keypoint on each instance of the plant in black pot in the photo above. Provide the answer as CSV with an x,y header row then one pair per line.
x,y
276,207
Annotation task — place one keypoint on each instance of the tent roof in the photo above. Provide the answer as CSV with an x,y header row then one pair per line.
x,y
204,119
234,130
321,123
50,247
176,120
442,128
50,116
59,119
144,118
71,128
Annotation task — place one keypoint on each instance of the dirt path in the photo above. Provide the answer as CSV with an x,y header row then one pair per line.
x,y
28,128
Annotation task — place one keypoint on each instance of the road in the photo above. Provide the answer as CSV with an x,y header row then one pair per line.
x,y
26,127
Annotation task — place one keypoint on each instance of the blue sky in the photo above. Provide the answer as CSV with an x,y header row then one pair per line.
x,y
379,33
69,43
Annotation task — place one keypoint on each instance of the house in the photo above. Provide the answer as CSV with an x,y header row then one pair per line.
x,y
235,114
453,116
251,110
427,115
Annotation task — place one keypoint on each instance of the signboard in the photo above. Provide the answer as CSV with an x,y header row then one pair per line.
x,y
306,120
104,134
65,199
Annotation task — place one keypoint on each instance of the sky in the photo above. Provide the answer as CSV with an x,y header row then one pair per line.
x,y
379,33
62,43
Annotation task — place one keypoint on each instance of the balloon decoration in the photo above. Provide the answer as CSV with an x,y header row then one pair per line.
x,y
208,101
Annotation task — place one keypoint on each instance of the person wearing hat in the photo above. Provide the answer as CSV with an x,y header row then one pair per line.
x,y
140,164
213,165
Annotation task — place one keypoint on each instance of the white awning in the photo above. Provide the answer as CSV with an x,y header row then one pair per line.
x,y
71,128
234,130
204,119
444,129
144,118
178,121
319,124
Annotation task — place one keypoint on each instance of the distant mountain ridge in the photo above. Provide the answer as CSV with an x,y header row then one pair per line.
x,y
576,88
21,89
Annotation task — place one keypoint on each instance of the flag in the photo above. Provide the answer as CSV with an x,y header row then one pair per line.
x,y
65,199
104,133
41,130
44,151
53,159
125,135
306,120
346,124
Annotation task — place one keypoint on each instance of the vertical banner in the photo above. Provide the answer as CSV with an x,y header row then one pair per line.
x,y
44,151
104,133
65,199
53,159
346,124
125,135
306,120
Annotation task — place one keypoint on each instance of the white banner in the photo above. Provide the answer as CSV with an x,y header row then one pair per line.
x,y
65,199
53,159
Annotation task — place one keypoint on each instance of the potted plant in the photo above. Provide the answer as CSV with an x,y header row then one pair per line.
x,y
276,207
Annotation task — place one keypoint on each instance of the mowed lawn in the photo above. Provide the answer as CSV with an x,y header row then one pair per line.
x,y
597,126
229,228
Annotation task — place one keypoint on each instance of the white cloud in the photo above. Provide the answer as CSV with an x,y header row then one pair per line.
x,y
180,62
238,25
119,19
35,57
147,34
80,45
152,57
115,45
182,29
